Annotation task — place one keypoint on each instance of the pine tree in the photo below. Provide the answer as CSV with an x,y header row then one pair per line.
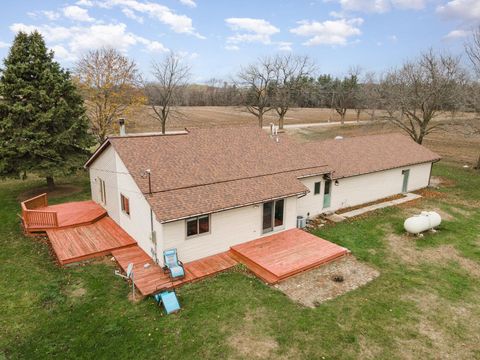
x,y
43,126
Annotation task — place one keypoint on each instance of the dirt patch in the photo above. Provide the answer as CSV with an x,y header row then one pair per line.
x,y
59,191
75,290
403,247
440,181
249,341
435,322
313,287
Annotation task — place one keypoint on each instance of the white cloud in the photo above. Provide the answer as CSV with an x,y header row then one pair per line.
x,y
457,34
84,3
232,47
284,46
190,3
69,43
130,14
466,10
4,44
77,13
250,30
381,6
51,15
330,32
63,54
178,23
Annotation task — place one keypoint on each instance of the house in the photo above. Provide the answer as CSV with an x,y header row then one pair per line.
x,y
203,191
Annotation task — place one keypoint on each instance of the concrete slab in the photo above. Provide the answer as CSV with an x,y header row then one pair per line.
x,y
357,212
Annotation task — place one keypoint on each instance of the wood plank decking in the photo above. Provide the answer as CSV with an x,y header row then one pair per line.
x,y
279,256
152,279
73,244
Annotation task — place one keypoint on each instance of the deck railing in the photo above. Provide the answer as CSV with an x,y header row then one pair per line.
x,y
33,217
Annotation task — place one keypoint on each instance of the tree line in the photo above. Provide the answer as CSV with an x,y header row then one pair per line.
x,y
50,118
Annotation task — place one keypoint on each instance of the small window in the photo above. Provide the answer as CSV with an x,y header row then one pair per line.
x,y
103,192
198,225
316,190
125,203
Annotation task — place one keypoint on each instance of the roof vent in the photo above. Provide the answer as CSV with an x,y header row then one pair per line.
x,y
338,137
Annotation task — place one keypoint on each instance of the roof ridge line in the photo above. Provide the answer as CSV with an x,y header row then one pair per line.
x,y
237,179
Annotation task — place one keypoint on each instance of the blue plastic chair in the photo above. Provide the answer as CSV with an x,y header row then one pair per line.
x,y
172,265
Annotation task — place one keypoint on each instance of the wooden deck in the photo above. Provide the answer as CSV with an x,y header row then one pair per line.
x,y
152,279
279,256
77,213
73,244
38,216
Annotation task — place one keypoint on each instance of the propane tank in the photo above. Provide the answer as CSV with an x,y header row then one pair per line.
x,y
427,220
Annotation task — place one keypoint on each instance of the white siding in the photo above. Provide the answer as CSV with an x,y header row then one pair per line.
x,y
227,228
362,189
311,205
109,167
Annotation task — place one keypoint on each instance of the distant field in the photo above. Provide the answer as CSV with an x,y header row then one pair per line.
x,y
205,116
140,119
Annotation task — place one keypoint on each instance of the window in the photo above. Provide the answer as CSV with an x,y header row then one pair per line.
x,y
125,203
316,191
198,225
273,213
103,192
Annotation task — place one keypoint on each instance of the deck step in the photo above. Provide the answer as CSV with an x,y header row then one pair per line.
x,y
258,270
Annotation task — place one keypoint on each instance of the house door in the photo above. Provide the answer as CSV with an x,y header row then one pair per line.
x,y
406,174
273,213
327,193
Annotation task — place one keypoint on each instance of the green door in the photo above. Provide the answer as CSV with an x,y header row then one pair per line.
x,y
405,174
327,194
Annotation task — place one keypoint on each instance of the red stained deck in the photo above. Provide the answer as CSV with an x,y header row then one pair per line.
x,y
279,256
73,244
152,279
77,213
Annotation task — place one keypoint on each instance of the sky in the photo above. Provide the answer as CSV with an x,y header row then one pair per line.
x,y
217,37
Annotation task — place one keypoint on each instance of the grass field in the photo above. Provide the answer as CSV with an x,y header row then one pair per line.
x,y
425,303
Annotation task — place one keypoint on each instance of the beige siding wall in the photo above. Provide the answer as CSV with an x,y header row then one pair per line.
x,y
362,189
227,228
109,167
311,205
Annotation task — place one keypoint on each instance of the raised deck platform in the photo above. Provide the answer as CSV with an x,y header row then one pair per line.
x,y
79,243
38,217
152,279
276,257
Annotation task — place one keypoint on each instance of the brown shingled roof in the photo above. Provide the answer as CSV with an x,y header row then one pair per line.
x,y
208,170
371,153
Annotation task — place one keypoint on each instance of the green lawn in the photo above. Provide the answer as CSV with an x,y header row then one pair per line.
x,y
424,304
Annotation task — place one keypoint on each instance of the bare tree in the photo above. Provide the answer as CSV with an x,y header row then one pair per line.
x,y
344,93
109,83
256,81
420,90
164,94
472,48
290,72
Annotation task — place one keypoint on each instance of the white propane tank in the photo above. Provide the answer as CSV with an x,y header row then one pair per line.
x,y
425,221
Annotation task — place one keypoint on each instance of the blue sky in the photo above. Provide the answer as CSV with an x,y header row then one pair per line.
x,y
217,37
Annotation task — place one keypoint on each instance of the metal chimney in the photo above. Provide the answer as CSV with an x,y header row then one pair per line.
x,y
121,123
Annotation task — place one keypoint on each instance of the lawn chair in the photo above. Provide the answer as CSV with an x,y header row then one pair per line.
x,y
173,266
169,301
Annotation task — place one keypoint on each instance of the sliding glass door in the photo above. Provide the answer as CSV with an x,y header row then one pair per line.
x,y
273,214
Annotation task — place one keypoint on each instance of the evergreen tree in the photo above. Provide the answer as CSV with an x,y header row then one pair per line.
x,y
43,126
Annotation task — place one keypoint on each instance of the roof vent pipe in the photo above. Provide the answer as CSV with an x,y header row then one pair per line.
x,y
121,123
